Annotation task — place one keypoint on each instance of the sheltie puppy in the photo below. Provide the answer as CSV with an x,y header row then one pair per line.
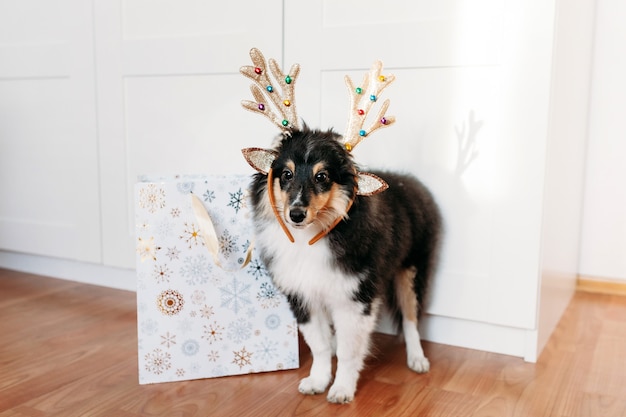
x,y
382,252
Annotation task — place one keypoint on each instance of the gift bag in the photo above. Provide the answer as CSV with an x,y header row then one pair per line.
x,y
206,306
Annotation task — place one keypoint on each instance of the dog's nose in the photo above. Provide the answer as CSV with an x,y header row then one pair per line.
x,y
297,215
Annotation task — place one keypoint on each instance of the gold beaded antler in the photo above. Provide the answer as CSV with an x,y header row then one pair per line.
x,y
362,98
265,91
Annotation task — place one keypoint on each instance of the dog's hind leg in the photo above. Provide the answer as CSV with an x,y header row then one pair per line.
x,y
407,302
317,334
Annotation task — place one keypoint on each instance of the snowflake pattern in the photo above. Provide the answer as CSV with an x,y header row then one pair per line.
x,y
272,321
268,296
198,297
185,187
190,347
266,350
152,198
239,330
196,270
228,244
147,248
209,196
168,339
191,235
257,269
242,357
206,312
172,253
235,295
213,332
162,273
236,200
195,317
158,361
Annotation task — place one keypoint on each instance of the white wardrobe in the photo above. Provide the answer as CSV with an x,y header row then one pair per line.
x,y
491,104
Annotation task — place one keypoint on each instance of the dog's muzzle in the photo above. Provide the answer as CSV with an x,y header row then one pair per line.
x,y
297,214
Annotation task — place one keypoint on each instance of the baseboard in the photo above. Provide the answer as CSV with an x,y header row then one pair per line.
x,y
85,272
601,285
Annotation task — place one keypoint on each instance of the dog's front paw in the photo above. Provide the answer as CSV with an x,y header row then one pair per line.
x,y
340,394
312,385
419,364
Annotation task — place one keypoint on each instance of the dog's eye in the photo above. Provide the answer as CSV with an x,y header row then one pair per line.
x,y
321,177
286,175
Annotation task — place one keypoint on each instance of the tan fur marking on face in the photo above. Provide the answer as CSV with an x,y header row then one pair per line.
x,y
330,206
405,294
282,199
320,166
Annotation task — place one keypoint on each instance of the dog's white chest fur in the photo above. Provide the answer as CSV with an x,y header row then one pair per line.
x,y
306,270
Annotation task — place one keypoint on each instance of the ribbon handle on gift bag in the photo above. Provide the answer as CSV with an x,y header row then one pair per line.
x,y
209,235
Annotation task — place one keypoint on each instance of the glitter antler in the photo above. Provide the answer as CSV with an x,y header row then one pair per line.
x,y
264,91
361,100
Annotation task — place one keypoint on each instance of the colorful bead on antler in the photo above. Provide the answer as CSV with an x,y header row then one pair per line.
x,y
265,91
361,100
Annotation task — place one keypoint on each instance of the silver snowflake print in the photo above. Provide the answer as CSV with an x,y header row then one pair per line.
x,y
266,350
239,330
149,327
185,187
292,360
190,347
196,270
228,243
235,295
268,295
172,253
236,200
257,269
209,196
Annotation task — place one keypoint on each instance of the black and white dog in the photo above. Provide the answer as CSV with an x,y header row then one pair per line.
x,y
381,252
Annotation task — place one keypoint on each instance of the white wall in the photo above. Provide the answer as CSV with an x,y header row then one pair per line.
x,y
603,251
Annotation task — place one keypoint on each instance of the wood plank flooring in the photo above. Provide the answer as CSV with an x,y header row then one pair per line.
x,y
69,349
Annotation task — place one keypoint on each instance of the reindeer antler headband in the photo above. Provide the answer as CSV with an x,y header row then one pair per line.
x,y
267,95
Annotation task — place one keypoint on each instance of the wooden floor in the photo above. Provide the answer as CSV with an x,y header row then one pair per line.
x,y
69,349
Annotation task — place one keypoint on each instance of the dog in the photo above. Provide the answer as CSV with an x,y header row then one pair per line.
x,y
371,252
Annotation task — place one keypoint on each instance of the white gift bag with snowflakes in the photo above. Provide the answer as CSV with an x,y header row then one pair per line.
x,y
201,312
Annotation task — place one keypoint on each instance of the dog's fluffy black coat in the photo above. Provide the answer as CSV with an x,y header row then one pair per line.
x,y
381,238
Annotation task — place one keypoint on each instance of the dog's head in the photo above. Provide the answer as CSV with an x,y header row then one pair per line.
x,y
314,178
311,178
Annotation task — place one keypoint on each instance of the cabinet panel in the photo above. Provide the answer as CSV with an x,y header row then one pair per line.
x,y
468,124
48,143
169,94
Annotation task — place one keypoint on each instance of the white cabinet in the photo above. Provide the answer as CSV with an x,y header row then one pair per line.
x,y
49,194
490,100
491,106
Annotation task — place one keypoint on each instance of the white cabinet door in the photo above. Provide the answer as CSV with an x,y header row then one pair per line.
x,y
169,94
49,197
471,101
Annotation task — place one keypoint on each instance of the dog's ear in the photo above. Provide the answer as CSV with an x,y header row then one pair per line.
x,y
370,184
260,159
